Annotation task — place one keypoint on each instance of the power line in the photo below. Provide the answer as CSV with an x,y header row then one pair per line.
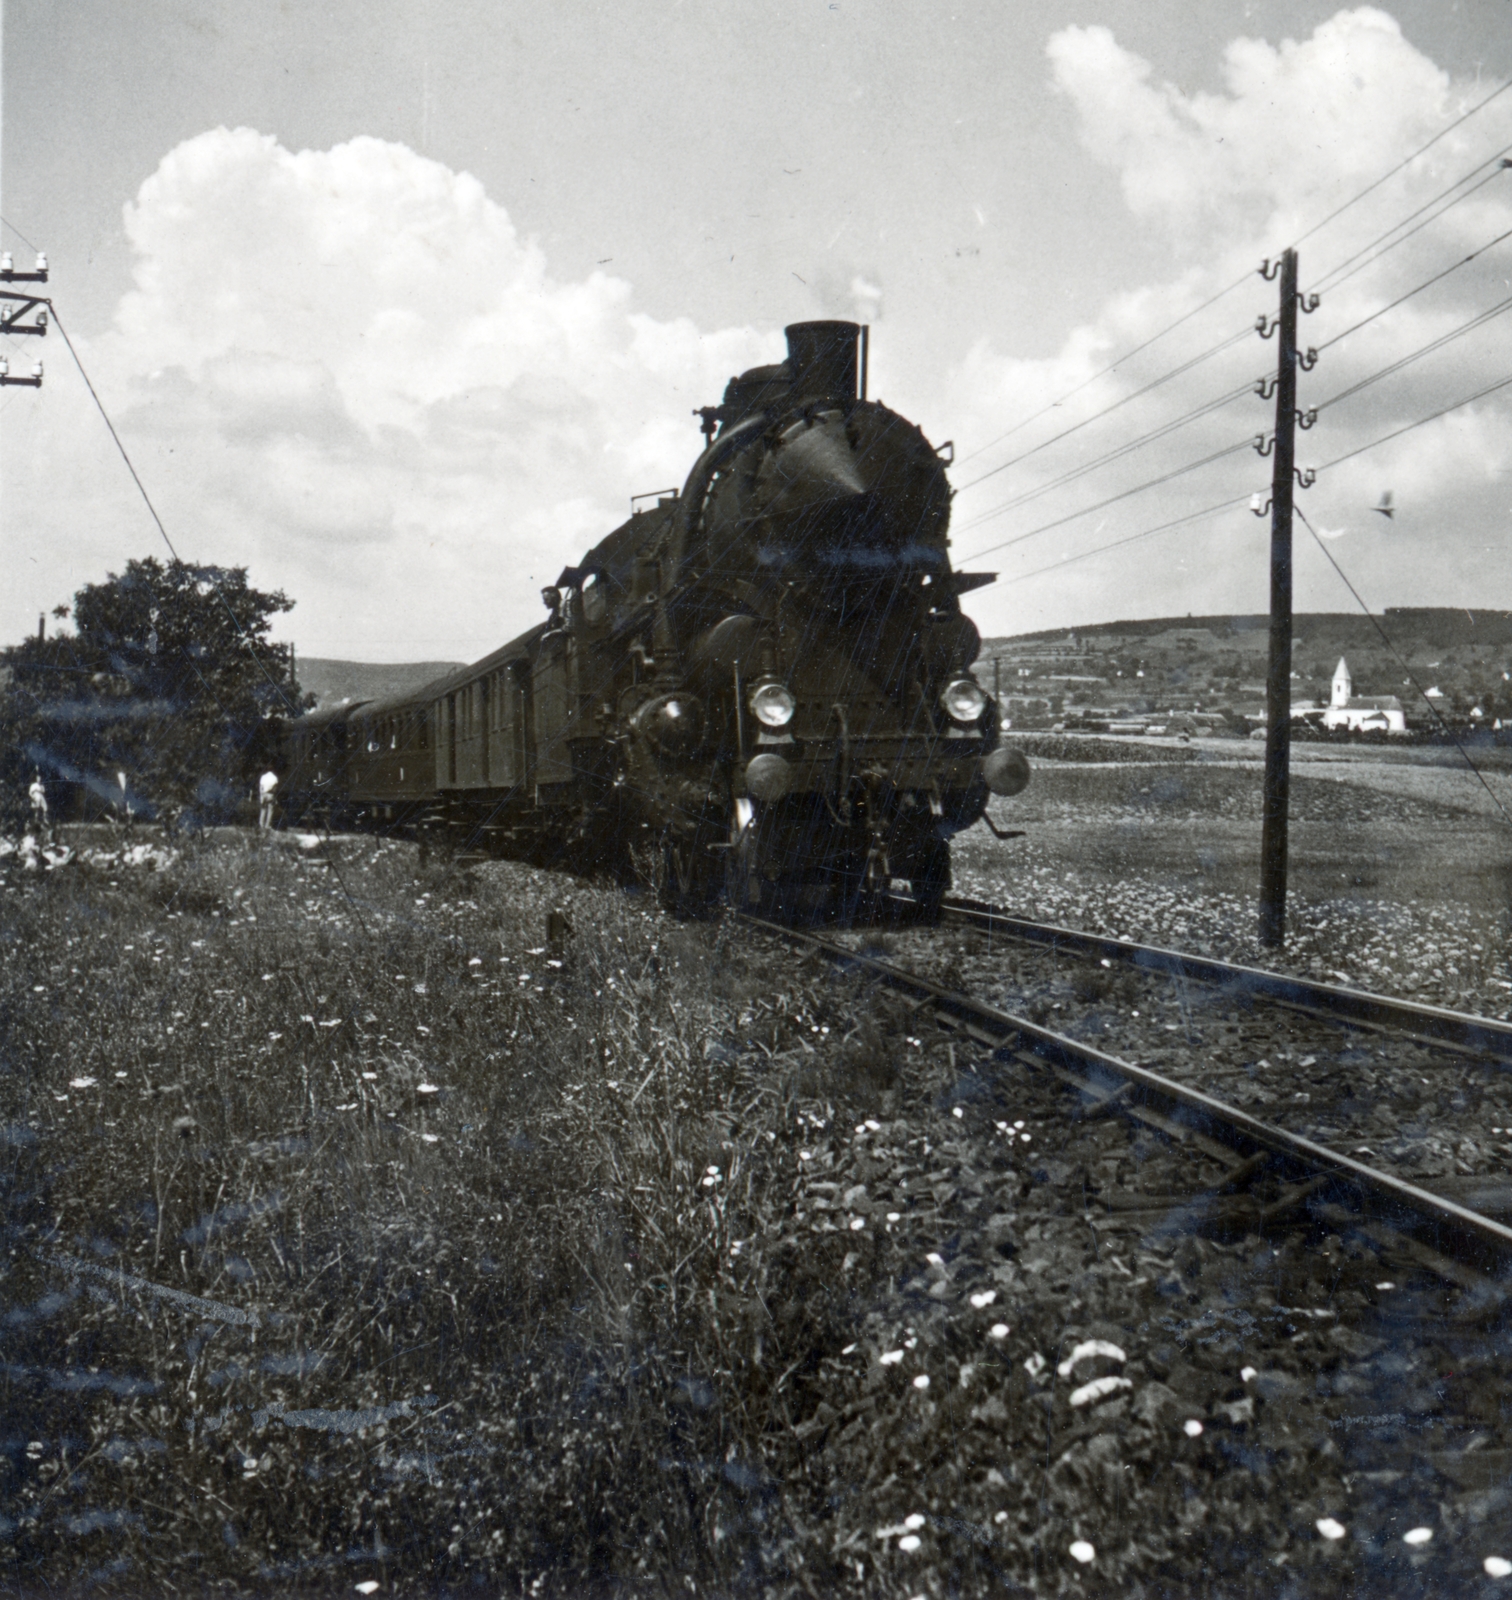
x,y
241,632
1203,410
1132,538
1186,316
1405,162
1112,499
1337,274
1476,321
1170,327
1433,416
1401,662
1427,283
1385,371
18,233
1175,372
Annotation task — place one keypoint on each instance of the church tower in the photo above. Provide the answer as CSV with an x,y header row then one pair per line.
x,y
1343,685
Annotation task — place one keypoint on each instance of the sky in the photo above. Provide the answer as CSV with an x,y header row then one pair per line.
x,y
397,303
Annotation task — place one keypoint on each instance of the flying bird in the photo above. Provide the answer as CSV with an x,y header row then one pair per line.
x,y
1386,508
1331,533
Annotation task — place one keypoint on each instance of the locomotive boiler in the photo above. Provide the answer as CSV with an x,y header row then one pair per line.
x,y
760,687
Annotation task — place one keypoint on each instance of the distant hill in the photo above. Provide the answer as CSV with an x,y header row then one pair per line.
x,y
334,681
1429,627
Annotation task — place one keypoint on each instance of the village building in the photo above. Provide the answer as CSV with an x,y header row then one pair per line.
x,y
1354,713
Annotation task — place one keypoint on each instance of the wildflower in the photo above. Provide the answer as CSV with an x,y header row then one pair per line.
x,y
1083,1552
430,1138
983,1297
913,1521
1097,1390
922,1381
1035,1365
1329,1528
909,1543
957,1112
1246,1373
999,1330
890,1358
1497,1566
1192,1427
81,1083
1416,1536
1387,1285
429,1088
370,1587
1088,1348
857,1224
894,1216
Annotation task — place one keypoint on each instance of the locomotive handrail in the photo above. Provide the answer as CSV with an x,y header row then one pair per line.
x,y
690,502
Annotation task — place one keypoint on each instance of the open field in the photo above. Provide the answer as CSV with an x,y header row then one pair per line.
x,y
1401,877
358,1234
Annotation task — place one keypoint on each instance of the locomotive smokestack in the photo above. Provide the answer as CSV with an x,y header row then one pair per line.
x,y
823,358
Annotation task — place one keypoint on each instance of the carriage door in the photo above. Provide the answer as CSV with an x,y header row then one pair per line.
x,y
451,740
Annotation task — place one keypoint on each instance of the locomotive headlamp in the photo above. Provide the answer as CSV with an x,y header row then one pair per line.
x,y
774,704
963,700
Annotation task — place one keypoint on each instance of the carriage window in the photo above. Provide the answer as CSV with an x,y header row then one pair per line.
x,y
595,599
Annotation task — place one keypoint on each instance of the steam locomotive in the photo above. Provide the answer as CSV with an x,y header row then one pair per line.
x,y
757,688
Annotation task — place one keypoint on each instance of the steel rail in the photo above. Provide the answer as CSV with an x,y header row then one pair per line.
x,y
1129,1089
1437,1025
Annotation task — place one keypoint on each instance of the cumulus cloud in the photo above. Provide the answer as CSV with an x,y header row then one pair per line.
x,y
1299,129
354,375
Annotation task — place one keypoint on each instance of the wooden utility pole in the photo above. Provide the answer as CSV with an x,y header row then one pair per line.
x,y
1278,676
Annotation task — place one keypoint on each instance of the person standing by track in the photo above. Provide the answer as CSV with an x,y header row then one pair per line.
x,y
267,793
41,816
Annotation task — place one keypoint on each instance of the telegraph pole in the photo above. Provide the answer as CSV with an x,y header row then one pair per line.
x,y
1282,445
14,307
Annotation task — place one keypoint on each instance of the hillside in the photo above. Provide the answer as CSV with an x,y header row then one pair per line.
x,y
1440,662
334,681
1426,627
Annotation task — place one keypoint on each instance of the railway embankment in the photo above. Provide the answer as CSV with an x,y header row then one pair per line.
x,y
374,1223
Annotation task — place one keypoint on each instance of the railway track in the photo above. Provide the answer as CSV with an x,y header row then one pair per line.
x,y
1483,1037
1429,1229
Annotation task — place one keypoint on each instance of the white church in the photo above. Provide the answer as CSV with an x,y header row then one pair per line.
x,y
1353,713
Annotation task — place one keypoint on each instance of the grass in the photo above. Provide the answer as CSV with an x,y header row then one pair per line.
x,y
466,1219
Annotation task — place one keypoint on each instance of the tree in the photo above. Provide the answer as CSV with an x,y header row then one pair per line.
x,y
169,677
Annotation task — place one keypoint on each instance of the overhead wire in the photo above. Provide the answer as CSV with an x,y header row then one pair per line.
x,y
1405,162
1355,264
1477,321
1076,427
1402,662
1112,499
1427,283
1213,299
1228,343
1134,538
241,632
1112,366
1207,407
1433,416
18,233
